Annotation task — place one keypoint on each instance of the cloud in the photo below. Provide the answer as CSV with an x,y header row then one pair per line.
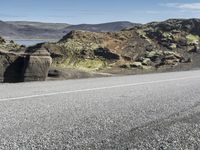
x,y
186,6
193,6
152,12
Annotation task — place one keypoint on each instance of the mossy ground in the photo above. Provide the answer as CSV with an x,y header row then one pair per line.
x,y
143,35
82,64
192,39
92,65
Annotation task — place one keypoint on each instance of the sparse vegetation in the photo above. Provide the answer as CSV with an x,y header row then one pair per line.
x,y
192,39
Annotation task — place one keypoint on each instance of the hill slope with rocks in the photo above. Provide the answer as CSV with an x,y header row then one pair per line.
x,y
154,47
159,46
18,65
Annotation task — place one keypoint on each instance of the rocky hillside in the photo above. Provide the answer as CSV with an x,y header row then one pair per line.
x,y
159,46
17,65
169,45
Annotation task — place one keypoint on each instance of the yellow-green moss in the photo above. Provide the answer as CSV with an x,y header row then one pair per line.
x,y
143,35
173,46
82,64
167,34
74,46
72,49
192,39
88,64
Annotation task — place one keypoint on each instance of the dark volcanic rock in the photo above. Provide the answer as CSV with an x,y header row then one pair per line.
x,y
21,67
150,46
2,41
106,54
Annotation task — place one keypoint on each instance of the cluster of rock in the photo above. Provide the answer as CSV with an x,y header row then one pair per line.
x,y
173,34
157,59
2,41
154,45
9,46
24,66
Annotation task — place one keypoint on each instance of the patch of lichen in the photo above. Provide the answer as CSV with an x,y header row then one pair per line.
x,y
192,39
82,64
72,46
142,33
90,64
173,46
168,35
74,57
10,47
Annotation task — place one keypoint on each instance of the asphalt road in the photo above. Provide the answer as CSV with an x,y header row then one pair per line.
x,y
154,111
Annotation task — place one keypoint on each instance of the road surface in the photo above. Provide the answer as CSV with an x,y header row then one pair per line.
x,y
154,111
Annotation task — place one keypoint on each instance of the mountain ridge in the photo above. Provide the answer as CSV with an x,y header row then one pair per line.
x,y
40,30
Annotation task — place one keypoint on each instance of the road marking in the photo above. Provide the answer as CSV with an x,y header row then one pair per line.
x,y
99,88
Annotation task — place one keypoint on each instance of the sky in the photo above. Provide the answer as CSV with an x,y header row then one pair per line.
x,y
97,11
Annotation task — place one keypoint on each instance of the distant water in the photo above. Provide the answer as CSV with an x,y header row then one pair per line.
x,y
30,42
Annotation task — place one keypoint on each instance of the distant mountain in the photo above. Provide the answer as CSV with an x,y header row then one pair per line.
x,y
39,25
31,30
105,27
39,30
7,29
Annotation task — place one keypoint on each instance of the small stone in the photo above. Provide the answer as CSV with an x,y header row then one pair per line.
x,y
146,62
136,65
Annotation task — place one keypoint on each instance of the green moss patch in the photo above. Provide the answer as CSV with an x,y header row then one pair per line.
x,y
143,35
89,64
192,39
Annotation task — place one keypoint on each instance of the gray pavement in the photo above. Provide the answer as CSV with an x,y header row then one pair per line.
x,y
154,111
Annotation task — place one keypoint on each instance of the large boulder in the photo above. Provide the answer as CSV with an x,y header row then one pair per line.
x,y
22,67
11,66
2,41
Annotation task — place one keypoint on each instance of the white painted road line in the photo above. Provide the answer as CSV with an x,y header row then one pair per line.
x,y
99,88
